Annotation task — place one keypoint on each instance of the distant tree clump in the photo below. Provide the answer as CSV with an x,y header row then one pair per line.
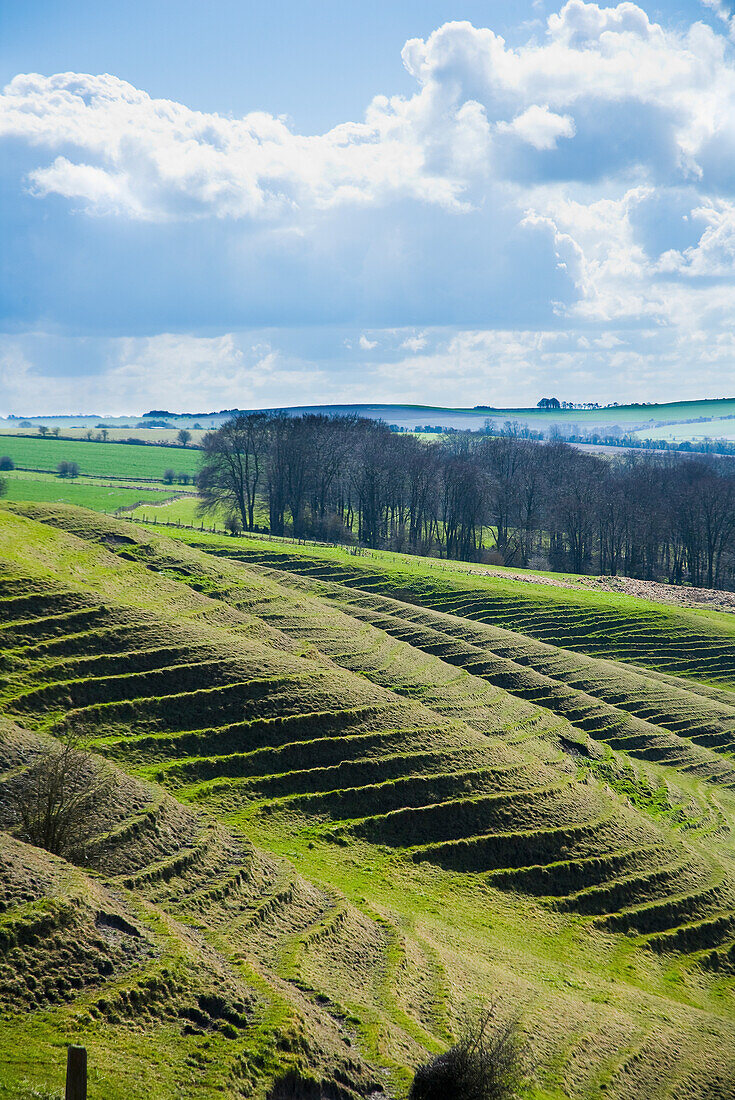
x,y
6,463
168,476
42,429
58,800
485,1064
183,478
549,403
183,436
67,469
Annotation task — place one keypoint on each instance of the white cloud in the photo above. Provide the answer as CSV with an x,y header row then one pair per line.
x,y
415,343
714,254
119,150
722,12
540,127
580,153
499,367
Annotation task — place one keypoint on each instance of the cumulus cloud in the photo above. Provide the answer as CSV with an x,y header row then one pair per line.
x,y
714,254
120,150
501,367
586,174
540,127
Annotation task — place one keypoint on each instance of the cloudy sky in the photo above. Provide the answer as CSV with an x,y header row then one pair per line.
x,y
233,204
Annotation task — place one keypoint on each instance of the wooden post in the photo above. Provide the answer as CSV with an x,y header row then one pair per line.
x,y
76,1073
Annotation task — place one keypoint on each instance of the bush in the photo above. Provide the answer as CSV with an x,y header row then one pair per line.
x,y
6,463
168,476
68,469
233,525
484,1065
58,800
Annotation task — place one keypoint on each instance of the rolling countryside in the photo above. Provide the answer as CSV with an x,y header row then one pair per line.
x,y
356,794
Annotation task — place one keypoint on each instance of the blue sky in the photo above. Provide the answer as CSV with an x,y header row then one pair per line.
x,y
204,206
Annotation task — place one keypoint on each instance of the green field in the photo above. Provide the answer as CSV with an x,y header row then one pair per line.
x,y
722,428
145,435
99,459
358,793
84,492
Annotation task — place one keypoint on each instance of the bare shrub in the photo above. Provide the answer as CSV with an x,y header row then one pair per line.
x,y
485,1064
233,526
58,800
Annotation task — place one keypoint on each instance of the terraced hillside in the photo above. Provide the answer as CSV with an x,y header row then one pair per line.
x,y
464,808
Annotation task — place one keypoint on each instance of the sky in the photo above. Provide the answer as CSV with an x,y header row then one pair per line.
x,y
239,204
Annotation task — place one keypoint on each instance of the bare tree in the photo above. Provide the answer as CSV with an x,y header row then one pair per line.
x,y
57,801
183,436
485,1064
234,465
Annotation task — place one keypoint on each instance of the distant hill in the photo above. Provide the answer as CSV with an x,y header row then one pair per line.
x,y
675,420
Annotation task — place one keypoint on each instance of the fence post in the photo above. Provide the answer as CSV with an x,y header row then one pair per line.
x,y
76,1073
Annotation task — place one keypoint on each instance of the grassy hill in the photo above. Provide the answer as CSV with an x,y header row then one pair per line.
x,y
357,794
647,420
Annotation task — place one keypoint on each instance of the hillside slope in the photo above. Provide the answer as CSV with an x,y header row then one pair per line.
x,y
466,809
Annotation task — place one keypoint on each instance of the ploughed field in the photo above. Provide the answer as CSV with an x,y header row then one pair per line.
x,y
357,796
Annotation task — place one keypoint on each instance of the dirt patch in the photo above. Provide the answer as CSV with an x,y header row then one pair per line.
x,y
714,599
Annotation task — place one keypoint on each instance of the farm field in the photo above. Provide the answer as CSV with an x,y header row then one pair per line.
x,y
96,494
357,793
717,428
99,459
146,435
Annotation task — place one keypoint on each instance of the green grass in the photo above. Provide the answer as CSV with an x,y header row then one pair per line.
x,y
441,806
716,428
185,511
83,492
99,459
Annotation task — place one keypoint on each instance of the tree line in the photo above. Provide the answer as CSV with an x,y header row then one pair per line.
x,y
503,499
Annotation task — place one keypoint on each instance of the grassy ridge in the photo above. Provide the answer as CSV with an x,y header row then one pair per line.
x,y
454,796
682,640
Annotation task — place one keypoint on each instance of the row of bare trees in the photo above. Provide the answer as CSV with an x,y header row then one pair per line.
x,y
503,498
